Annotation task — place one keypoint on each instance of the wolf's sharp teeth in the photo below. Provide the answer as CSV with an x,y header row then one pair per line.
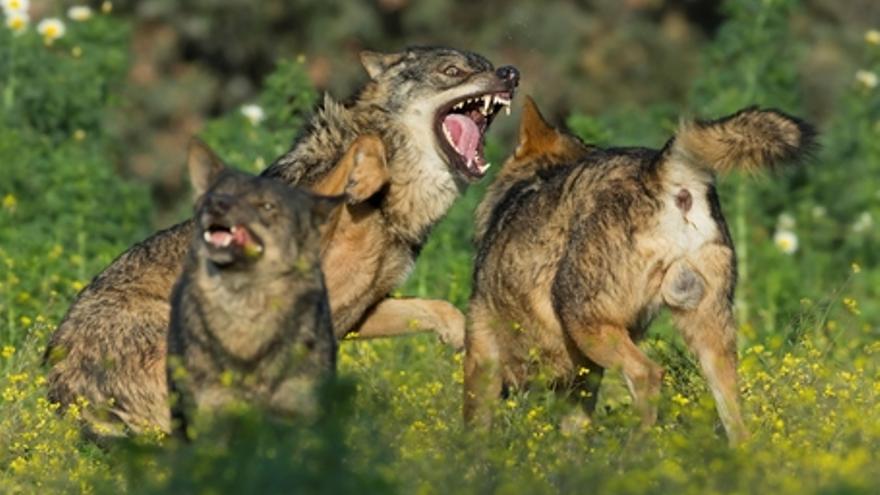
x,y
458,105
487,102
485,167
507,110
448,136
233,229
207,236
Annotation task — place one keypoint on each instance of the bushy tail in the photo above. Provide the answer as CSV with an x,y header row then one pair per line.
x,y
749,140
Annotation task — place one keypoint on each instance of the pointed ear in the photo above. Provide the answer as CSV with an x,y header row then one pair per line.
x,y
376,63
360,173
324,206
369,172
204,166
535,134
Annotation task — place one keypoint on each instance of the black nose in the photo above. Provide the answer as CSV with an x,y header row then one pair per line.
x,y
508,73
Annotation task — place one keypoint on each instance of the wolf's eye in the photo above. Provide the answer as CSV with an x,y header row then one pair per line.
x,y
267,206
452,71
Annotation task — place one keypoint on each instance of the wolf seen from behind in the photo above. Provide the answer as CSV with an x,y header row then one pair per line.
x,y
250,321
579,247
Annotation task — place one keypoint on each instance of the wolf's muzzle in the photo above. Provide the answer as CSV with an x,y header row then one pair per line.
x,y
508,73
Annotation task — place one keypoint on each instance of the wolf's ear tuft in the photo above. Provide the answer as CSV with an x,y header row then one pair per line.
x,y
204,166
749,140
535,134
376,63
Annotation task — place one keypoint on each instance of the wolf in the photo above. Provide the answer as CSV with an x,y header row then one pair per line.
x,y
250,321
579,247
428,110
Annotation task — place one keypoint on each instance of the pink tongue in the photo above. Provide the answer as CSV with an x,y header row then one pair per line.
x,y
465,135
241,236
219,237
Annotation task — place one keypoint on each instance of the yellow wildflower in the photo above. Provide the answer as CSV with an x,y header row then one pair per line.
x,y
851,305
18,464
10,202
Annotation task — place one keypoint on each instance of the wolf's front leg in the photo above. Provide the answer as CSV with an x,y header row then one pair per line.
x,y
392,317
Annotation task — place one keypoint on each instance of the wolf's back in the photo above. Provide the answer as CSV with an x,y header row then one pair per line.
x,y
749,140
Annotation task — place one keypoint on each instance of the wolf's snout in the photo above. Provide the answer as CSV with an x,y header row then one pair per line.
x,y
219,204
508,73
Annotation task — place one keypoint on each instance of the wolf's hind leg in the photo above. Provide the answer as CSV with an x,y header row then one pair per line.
x,y
683,288
610,346
392,317
482,369
708,329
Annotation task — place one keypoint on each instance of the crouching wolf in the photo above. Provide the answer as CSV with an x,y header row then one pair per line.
x,y
580,246
250,321
430,109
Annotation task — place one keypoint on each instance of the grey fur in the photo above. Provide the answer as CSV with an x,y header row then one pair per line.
x,y
110,347
257,330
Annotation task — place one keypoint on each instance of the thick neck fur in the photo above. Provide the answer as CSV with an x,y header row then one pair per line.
x,y
247,312
422,186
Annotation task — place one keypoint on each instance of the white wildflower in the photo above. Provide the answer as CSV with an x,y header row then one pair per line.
x,y
785,221
254,113
80,13
786,241
13,6
17,22
51,29
867,79
863,223
872,37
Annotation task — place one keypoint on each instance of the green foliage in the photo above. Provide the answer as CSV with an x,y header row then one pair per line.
x,y
59,89
809,357
249,452
253,143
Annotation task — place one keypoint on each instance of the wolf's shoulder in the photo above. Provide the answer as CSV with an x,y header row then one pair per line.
x,y
318,146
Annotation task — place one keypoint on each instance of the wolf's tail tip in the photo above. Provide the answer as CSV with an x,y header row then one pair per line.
x,y
750,140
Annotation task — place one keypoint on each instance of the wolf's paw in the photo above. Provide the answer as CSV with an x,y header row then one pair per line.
x,y
452,330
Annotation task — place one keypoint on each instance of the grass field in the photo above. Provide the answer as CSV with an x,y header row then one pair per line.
x,y
807,305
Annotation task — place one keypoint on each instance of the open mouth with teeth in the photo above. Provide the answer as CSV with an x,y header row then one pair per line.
x,y
229,244
462,126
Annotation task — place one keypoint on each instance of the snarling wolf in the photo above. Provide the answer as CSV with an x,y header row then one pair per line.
x,y
579,247
250,321
429,109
